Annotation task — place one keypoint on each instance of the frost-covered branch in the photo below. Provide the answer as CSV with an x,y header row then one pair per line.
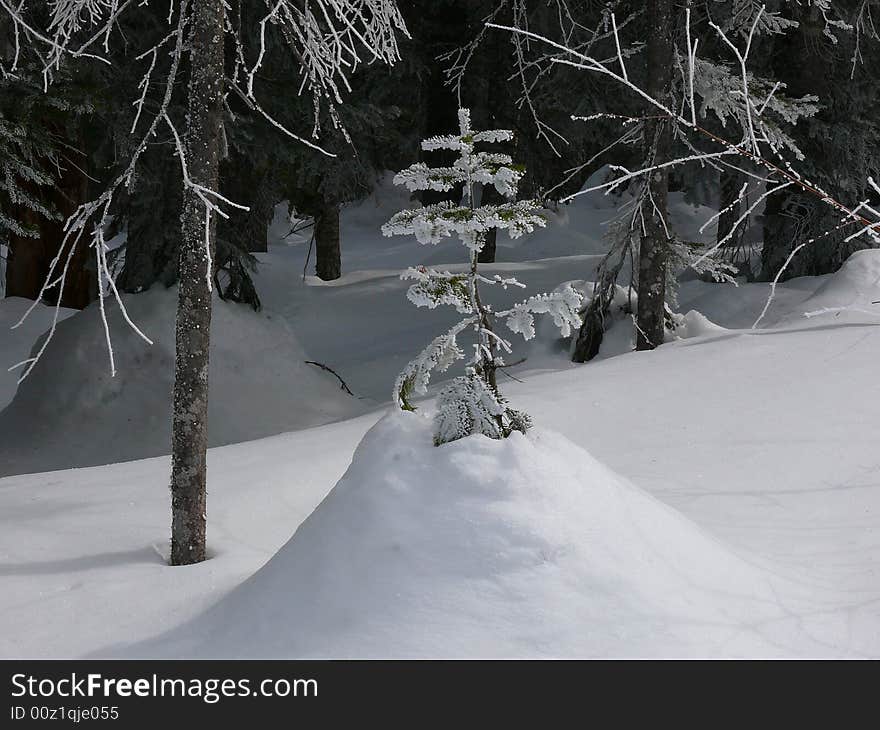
x,y
329,39
471,403
759,107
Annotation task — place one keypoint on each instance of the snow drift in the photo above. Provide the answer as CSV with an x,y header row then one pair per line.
x,y
15,344
483,548
70,412
856,285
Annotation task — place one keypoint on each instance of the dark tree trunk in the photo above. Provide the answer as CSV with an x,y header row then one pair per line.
x,y
592,331
30,258
328,258
261,218
27,262
189,440
81,284
440,26
487,253
490,196
28,266
731,236
440,116
729,184
654,248
497,102
777,236
252,187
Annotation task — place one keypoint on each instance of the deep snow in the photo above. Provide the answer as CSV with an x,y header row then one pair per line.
x,y
70,412
761,444
521,547
15,344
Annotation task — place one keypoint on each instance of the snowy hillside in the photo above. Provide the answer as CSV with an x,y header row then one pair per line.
x,y
15,344
361,326
526,330
70,411
771,464
521,547
715,497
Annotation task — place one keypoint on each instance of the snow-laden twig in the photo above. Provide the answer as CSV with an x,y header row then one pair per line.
x,y
774,283
733,226
327,37
756,132
472,403
743,61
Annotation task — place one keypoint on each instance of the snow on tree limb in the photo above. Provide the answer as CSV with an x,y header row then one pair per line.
x,y
329,39
757,105
471,403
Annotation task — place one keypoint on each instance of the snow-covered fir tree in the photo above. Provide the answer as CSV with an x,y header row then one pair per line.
x,y
471,403
27,158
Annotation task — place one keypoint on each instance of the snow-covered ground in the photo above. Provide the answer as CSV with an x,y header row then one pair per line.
x,y
489,548
70,411
15,344
717,497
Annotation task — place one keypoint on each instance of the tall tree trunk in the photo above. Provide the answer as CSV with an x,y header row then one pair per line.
x,y
29,261
729,184
260,218
251,186
592,331
328,258
439,26
189,440
654,248
81,285
26,264
778,238
496,104
490,196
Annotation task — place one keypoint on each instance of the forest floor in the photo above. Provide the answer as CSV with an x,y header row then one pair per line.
x,y
737,512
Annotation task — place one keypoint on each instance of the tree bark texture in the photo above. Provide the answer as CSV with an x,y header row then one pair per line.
x,y
189,438
654,248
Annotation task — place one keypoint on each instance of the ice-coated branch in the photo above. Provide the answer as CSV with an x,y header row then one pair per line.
x,y
762,141
743,61
96,213
562,306
442,220
329,39
442,352
471,403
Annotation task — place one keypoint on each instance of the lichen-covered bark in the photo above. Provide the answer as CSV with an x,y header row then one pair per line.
x,y
654,248
189,438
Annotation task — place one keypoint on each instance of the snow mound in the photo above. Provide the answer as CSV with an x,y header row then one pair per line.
x,y
855,286
15,344
70,412
481,548
620,331
693,324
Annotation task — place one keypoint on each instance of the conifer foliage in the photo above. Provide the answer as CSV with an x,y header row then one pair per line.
x,y
471,403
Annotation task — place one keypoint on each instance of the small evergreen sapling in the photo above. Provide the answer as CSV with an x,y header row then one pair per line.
x,y
471,403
